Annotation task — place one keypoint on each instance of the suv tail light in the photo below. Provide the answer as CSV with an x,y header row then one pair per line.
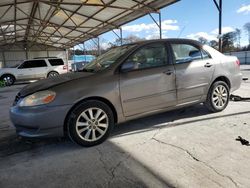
x,y
237,62
65,67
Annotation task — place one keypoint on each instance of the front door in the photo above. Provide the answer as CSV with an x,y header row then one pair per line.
x,y
25,71
150,82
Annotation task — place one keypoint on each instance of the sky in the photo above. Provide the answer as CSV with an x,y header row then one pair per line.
x,y
189,19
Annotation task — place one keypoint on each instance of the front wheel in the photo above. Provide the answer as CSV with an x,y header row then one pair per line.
x,y
218,97
8,79
90,123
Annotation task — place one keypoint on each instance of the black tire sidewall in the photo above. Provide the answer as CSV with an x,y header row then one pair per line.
x,y
209,100
71,123
52,72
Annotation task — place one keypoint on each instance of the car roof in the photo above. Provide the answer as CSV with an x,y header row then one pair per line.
x,y
46,58
171,40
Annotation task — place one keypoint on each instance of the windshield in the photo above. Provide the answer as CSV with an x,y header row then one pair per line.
x,y
107,59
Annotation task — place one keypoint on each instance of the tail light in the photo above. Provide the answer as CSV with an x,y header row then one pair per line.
x,y
65,67
237,62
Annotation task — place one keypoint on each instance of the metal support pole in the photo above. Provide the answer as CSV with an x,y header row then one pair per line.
x,y
4,60
160,24
84,51
220,26
98,46
26,53
74,53
67,59
121,36
219,7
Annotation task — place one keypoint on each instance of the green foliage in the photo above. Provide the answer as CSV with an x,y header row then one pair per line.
x,y
2,83
228,41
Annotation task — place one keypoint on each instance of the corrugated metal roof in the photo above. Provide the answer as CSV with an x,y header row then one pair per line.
x,y
65,23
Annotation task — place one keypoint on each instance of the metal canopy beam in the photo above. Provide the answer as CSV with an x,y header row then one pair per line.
x,y
157,23
77,22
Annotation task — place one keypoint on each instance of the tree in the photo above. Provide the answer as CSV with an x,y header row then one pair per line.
x,y
238,37
228,41
247,29
203,40
126,40
214,44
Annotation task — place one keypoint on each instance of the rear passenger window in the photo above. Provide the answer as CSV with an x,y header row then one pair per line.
x,y
38,63
56,62
185,53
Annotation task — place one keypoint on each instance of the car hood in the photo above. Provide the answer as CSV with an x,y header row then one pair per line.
x,y
50,82
7,69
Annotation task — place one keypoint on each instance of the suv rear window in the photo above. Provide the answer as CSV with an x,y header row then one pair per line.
x,y
56,62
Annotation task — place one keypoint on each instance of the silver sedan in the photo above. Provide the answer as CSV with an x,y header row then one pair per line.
x,y
125,83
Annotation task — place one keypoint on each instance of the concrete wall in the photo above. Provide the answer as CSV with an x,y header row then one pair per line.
x,y
244,57
14,54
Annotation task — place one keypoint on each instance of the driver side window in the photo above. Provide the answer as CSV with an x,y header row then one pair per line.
x,y
154,55
25,65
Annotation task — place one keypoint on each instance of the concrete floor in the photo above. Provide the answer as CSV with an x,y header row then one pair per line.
x,y
183,148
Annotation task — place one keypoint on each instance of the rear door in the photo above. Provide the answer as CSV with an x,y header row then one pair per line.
x,y
150,83
194,71
41,68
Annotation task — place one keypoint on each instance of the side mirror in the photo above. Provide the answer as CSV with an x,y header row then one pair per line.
x,y
127,66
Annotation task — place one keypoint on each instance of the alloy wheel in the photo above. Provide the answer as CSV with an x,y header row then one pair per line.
x,y
8,80
53,74
220,96
92,124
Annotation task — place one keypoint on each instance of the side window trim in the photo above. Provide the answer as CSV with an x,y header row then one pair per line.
x,y
208,54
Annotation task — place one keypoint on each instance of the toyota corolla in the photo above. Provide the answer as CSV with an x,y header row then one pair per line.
x,y
125,83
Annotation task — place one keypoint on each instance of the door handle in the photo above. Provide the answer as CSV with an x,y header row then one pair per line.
x,y
168,72
208,65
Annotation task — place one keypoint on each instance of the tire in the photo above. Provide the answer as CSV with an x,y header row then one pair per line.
x,y
52,74
218,97
8,79
89,130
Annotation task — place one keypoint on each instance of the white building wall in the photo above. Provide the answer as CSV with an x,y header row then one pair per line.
x,y
15,55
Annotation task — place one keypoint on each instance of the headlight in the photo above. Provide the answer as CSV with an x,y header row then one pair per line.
x,y
39,98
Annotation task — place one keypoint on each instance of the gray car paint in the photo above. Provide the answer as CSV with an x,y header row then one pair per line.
x,y
132,94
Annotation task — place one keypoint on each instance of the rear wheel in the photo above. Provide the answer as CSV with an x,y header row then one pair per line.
x,y
90,123
218,97
8,79
53,74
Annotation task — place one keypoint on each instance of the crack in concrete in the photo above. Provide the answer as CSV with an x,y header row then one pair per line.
x,y
111,171
196,159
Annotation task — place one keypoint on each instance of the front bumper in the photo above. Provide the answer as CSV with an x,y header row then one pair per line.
x,y
39,121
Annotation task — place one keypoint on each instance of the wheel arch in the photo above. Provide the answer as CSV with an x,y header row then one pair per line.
x,y
224,79
8,74
96,98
